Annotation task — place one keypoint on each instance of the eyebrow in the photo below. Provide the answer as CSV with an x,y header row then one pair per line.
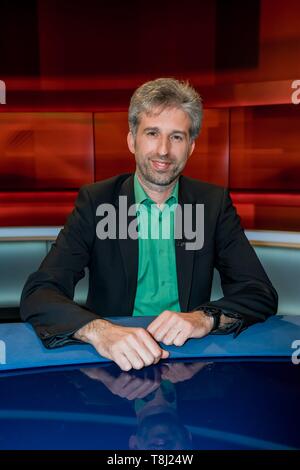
x,y
175,131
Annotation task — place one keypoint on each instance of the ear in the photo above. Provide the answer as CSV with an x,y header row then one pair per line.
x,y
192,146
130,142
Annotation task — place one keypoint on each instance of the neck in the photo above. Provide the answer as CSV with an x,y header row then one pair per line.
x,y
157,193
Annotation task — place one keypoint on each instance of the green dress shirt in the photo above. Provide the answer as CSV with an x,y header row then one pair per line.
x,y
157,288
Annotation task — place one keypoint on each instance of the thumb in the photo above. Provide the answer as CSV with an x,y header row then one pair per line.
x,y
165,354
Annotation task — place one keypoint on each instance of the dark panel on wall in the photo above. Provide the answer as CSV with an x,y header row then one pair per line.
x,y
19,38
92,37
265,148
240,58
46,150
209,162
237,34
85,37
208,42
112,156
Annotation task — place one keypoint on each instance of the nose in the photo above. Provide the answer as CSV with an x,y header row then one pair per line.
x,y
163,146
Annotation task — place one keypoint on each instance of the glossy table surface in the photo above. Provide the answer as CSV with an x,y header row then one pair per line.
x,y
213,404
221,400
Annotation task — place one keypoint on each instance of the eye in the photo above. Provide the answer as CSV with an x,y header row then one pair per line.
x,y
177,137
152,133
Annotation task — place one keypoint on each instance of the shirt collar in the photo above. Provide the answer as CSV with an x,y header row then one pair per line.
x,y
141,197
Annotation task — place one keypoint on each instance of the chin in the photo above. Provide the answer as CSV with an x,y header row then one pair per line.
x,y
163,180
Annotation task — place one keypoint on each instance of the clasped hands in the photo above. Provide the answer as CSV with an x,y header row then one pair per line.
x,y
130,386
135,348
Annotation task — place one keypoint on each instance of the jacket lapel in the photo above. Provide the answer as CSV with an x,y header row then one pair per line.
x,y
128,246
184,257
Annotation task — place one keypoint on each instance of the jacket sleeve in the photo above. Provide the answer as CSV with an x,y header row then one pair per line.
x,y
248,293
47,297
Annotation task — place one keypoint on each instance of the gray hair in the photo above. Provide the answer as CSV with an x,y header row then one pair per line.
x,y
166,93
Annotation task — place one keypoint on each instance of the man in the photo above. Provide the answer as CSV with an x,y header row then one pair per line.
x,y
167,277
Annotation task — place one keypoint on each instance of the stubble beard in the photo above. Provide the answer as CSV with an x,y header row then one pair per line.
x,y
155,177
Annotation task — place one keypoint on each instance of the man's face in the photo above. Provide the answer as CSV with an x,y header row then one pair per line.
x,y
162,145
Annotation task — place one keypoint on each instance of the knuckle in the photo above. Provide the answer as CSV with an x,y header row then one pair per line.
x,y
138,365
178,342
189,329
166,313
167,341
158,354
114,349
144,334
140,331
148,361
125,366
157,335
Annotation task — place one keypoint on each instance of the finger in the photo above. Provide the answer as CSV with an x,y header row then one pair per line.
x,y
155,324
164,370
141,349
143,390
171,335
123,380
92,373
118,357
180,338
131,389
150,388
159,321
155,350
170,376
166,375
122,361
164,329
134,358
165,354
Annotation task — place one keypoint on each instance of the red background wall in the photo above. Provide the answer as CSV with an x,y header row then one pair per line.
x,y
70,68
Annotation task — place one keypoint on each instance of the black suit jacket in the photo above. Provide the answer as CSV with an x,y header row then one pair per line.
x,y
47,298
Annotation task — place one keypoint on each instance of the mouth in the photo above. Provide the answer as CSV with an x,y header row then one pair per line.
x,y
160,165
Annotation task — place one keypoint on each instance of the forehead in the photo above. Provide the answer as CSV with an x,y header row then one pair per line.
x,y
165,119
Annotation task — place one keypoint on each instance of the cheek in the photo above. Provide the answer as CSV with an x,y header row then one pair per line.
x,y
181,154
147,148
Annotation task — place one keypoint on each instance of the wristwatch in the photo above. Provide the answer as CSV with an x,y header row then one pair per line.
x,y
213,312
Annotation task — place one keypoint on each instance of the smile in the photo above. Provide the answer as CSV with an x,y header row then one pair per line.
x,y
158,165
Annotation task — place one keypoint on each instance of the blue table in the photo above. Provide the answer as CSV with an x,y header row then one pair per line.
x,y
213,393
272,338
